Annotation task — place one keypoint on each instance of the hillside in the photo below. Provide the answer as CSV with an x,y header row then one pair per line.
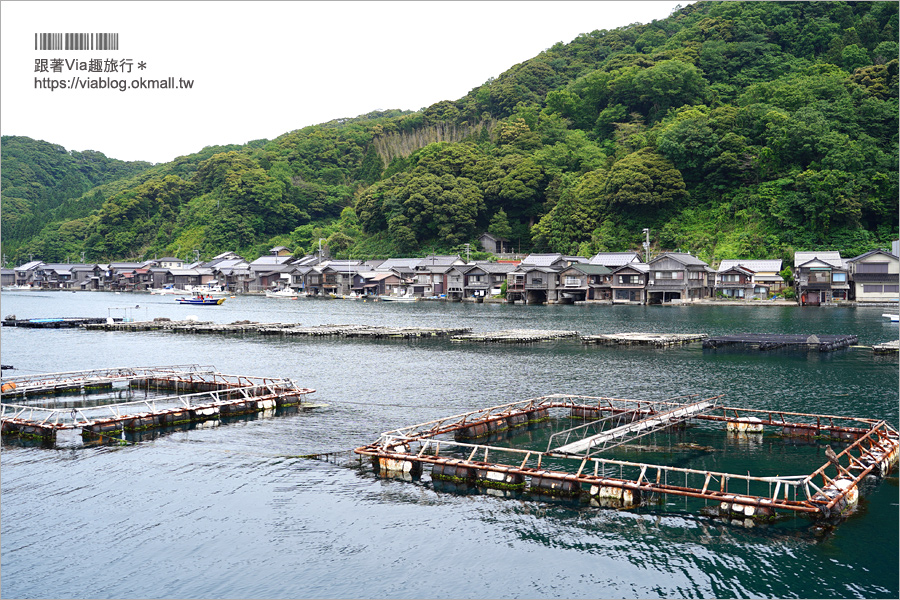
x,y
730,129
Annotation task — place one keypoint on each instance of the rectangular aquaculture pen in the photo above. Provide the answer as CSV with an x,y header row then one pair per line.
x,y
488,448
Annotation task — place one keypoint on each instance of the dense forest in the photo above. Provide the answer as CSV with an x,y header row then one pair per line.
x,y
730,129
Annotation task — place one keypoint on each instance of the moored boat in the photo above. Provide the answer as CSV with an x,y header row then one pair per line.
x,y
200,300
893,318
285,293
165,290
404,298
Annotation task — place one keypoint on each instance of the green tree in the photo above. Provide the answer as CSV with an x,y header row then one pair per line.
x,y
644,179
500,225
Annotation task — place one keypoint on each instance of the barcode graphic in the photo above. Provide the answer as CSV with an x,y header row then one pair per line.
x,y
76,41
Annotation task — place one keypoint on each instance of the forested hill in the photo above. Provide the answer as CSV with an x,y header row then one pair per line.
x,y
39,178
730,129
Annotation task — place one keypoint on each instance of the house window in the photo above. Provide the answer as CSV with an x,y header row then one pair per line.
x,y
695,275
730,278
629,279
670,274
872,268
537,281
872,289
573,281
839,277
891,289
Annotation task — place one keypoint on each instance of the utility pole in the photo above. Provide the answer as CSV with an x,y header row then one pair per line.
x,y
467,253
646,232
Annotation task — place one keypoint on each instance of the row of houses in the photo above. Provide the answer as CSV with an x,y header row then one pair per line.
x,y
615,277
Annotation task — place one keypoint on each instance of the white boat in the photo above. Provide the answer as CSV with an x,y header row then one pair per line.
x,y
893,318
206,290
404,298
285,293
18,288
165,290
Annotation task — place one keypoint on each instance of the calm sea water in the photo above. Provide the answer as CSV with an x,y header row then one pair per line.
x,y
231,511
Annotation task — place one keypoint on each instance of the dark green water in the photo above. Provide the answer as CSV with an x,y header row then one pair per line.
x,y
227,511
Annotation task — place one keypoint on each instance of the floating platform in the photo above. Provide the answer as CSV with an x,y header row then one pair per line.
x,y
55,323
892,347
174,395
659,340
287,329
449,449
771,341
515,336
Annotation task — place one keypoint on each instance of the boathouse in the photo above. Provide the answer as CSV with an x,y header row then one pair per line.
x,y
764,276
821,277
581,282
629,283
676,276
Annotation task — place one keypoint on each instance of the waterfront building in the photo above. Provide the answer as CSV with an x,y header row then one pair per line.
x,y
580,282
875,277
677,276
739,278
629,283
820,277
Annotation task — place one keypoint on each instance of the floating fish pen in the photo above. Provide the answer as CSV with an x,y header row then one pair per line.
x,y
283,329
173,396
515,336
582,463
55,323
771,341
157,324
658,340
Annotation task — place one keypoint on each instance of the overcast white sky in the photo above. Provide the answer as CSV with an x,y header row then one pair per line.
x,y
261,69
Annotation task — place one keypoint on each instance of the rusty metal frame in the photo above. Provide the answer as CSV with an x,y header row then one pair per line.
x,y
874,451
248,387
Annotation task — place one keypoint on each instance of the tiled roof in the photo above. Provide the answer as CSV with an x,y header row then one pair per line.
x,y
832,258
590,269
614,259
754,265
870,253
540,260
401,263
682,257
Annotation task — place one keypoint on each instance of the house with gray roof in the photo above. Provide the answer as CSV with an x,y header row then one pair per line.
x,y
821,277
482,280
494,244
678,277
875,277
580,282
533,284
25,273
629,283
756,278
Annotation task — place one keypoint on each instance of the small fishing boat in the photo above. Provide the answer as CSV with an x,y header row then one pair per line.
x,y
200,300
891,317
404,298
284,293
207,290
169,289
